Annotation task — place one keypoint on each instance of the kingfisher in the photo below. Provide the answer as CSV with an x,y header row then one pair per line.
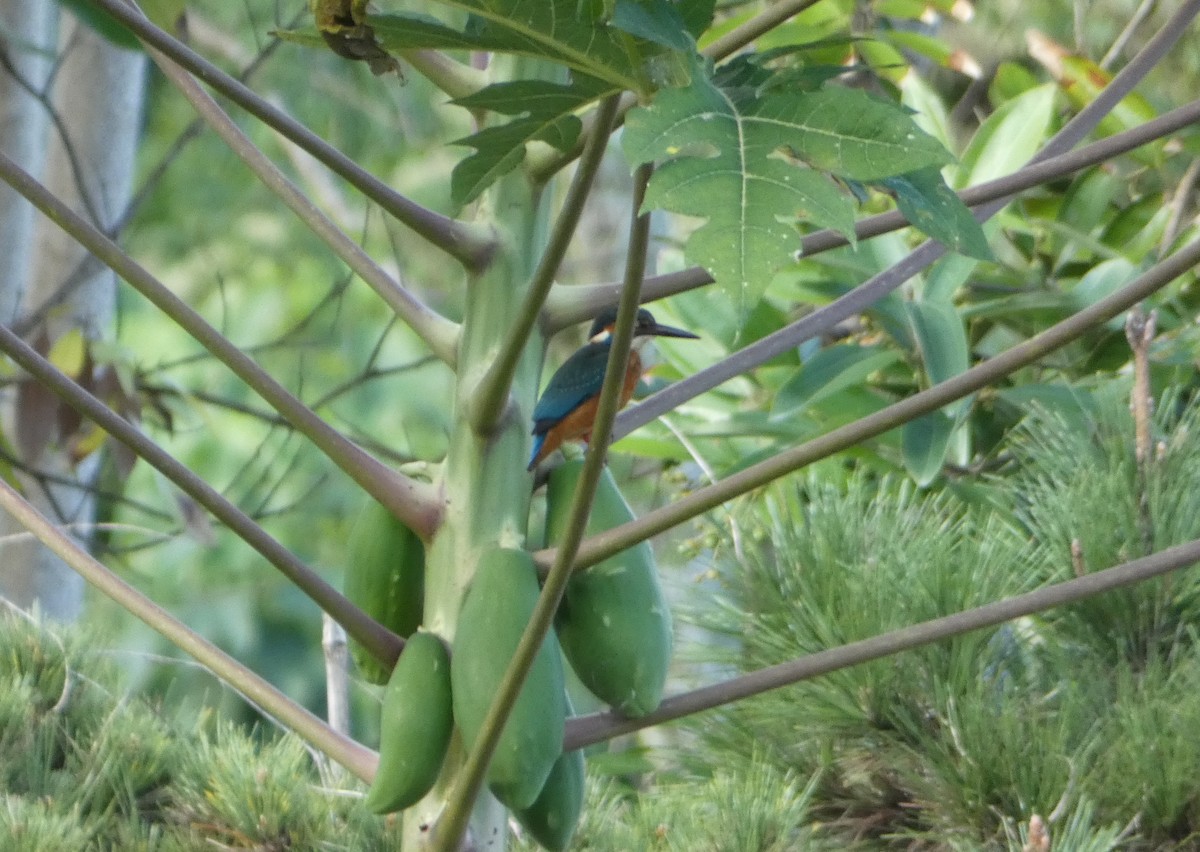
x,y
568,406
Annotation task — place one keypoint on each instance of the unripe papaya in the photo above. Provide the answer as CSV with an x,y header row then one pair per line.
x,y
614,623
493,616
414,727
552,818
385,578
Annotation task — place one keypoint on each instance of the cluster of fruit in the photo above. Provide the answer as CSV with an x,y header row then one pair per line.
x,y
613,627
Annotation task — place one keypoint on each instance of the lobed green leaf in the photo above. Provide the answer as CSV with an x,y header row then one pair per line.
x,y
751,165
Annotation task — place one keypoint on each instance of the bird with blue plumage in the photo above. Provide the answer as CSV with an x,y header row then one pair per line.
x,y
567,408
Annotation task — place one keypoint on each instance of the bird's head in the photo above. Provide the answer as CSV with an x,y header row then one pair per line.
x,y
643,327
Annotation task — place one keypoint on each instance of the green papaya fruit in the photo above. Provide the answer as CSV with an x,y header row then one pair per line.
x,y
414,727
553,816
495,611
385,578
614,623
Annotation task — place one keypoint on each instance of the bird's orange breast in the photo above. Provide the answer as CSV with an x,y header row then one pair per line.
x,y
578,423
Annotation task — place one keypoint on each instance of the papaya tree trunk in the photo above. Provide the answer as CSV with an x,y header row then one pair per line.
x,y
485,483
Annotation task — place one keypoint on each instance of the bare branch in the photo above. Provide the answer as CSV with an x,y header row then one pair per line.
x,y
585,730
439,333
467,245
413,502
380,640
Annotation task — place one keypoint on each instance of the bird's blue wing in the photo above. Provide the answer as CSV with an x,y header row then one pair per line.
x,y
579,378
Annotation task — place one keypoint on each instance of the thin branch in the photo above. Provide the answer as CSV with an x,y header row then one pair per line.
x,y
194,128
487,403
381,641
42,477
760,24
86,528
337,674
611,542
413,502
585,730
469,246
453,822
356,758
1180,204
439,333
1140,14
1140,329
270,418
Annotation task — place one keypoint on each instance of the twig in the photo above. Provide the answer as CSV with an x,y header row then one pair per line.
x,y
60,127
1140,14
760,24
1181,199
1078,562
380,640
337,674
439,333
1139,331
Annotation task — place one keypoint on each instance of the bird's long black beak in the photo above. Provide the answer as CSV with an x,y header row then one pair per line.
x,y
668,331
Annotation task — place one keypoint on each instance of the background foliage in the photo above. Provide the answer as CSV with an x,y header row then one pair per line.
x,y
1083,716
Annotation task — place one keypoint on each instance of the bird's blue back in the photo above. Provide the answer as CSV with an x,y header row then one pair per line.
x,y
579,378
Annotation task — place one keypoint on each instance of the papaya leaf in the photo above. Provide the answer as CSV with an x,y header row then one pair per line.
x,y
697,15
738,160
545,113
570,32
934,209
656,21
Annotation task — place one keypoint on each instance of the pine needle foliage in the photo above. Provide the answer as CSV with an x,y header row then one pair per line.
x,y
755,808
1084,715
844,563
83,769
1084,486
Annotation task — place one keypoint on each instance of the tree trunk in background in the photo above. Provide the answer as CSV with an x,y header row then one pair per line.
x,y
96,93
26,39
